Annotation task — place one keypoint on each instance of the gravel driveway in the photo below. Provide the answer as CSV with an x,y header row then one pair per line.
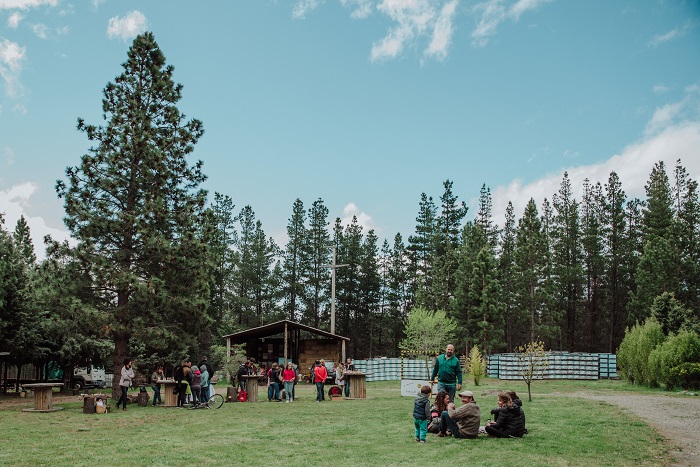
x,y
676,418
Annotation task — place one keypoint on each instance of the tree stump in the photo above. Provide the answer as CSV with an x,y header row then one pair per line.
x,y
89,405
231,394
142,399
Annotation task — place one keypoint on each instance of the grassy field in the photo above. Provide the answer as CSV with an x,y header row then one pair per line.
x,y
564,431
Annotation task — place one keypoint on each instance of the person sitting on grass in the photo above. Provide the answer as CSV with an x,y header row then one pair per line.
x,y
517,402
509,423
421,413
463,422
440,405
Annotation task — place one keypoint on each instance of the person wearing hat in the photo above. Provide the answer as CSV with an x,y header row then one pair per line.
x,y
448,371
463,422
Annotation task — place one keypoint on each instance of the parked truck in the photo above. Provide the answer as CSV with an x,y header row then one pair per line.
x,y
92,376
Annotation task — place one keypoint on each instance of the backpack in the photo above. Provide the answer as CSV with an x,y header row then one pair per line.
x,y
242,396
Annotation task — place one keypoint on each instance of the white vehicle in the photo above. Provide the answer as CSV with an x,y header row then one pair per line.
x,y
91,376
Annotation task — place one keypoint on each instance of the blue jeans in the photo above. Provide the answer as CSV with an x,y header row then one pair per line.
x,y
421,428
446,423
156,394
319,392
289,390
451,389
347,388
273,391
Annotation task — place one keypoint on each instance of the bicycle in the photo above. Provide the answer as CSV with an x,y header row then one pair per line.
x,y
214,402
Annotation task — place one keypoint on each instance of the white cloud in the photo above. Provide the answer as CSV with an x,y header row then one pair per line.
x,y
14,203
492,13
676,33
663,117
96,4
14,19
25,4
20,109
12,55
660,88
672,133
442,31
361,8
302,7
414,17
365,220
128,27
40,30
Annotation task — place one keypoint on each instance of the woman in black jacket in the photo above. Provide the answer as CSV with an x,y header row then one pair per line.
x,y
509,423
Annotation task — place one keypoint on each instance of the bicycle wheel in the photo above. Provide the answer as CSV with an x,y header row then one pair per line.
x,y
215,401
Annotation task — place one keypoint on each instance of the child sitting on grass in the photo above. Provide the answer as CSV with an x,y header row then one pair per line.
x,y
421,413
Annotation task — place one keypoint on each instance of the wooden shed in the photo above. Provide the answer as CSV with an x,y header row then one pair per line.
x,y
286,340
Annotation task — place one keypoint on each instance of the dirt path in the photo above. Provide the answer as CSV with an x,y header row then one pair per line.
x,y
676,418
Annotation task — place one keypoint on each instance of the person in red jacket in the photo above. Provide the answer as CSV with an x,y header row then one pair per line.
x,y
320,375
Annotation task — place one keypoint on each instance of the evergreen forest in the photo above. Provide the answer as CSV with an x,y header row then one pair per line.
x,y
161,269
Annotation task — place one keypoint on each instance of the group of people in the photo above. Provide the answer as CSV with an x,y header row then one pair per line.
x,y
319,375
193,383
444,418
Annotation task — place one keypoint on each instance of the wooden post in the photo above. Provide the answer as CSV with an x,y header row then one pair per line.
x,y
286,340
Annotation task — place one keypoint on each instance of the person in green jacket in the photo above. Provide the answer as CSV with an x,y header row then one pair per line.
x,y
448,371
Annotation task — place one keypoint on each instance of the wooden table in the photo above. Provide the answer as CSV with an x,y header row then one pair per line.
x,y
358,384
166,392
252,387
43,397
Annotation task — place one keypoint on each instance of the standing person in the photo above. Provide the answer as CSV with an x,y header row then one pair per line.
x,y
206,363
205,383
320,375
421,413
510,423
340,376
243,371
196,385
157,375
348,367
463,422
448,371
289,376
181,379
273,388
127,374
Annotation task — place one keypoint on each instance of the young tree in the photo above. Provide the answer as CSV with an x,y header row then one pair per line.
x,y
532,359
427,332
476,365
134,205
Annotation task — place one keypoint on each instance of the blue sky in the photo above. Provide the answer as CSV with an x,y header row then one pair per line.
x,y
364,103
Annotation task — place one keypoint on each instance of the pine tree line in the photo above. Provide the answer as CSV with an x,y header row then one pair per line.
x,y
159,272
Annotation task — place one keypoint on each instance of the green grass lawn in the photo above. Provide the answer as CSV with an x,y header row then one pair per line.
x,y
564,431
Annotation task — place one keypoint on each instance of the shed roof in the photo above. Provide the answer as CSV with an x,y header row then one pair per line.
x,y
278,327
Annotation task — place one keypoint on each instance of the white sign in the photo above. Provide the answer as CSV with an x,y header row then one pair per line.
x,y
411,387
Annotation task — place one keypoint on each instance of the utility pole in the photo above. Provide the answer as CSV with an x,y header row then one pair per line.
x,y
333,267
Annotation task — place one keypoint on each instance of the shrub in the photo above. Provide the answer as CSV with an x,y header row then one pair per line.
x,y
678,350
686,375
476,365
636,348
